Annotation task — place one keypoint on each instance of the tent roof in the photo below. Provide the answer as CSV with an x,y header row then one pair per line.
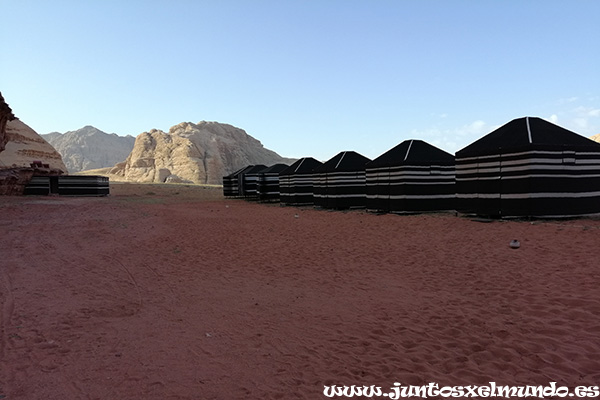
x,y
412,152
528,132
302,166
344,162
274,169
254,169
239,171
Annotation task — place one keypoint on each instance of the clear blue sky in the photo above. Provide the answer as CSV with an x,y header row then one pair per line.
x,y
307,78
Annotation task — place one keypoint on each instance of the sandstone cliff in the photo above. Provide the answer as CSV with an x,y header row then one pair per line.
x,y
198,153
5,116
596,138
90,148
20,146
24,145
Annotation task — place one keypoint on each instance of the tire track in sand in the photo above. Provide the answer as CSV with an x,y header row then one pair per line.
x,y
140,300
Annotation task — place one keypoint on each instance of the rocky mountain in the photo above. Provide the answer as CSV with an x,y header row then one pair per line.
x,y
596,138
24,145
20,147
198,153
90,148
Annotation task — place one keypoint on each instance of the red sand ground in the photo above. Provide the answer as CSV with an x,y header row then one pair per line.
x,y
180,294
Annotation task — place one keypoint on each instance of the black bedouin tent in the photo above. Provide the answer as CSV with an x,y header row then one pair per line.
x,y
248,180
69,185
529,167
231,182
268,182
296,182
414,176
42,186
341,182
81,185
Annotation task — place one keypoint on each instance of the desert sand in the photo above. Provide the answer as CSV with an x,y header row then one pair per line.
x,y
173,292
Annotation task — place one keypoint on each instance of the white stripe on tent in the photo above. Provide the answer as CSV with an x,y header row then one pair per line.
x,y
411,196
298,194
411,174
550,195
425,168
479,178
528,129
341,196
344,173
429,183
562,168
529,176
408,150
341,158
304,159
553,167
478,195
478,170
525,162
520,196
523,153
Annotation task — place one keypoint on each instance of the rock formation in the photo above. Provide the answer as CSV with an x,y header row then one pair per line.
x,y
5,116
199,153
23,153
596,138
24,146
90,148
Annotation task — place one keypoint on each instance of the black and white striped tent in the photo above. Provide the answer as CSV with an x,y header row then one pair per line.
x,y
248,180
231,186
81,185
414,176
296,182
529,167
42,186
69,185
268,182
341,182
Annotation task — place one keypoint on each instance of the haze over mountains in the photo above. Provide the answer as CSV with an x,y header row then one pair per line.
x,y
90,148
195,153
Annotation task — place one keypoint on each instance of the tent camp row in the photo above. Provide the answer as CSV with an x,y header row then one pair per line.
x,y
527,167
254,181
413,176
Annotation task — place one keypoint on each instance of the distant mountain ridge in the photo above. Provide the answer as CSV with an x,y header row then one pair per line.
x,y
198,153
90,148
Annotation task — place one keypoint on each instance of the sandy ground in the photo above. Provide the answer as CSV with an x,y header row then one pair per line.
x,y
172,292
